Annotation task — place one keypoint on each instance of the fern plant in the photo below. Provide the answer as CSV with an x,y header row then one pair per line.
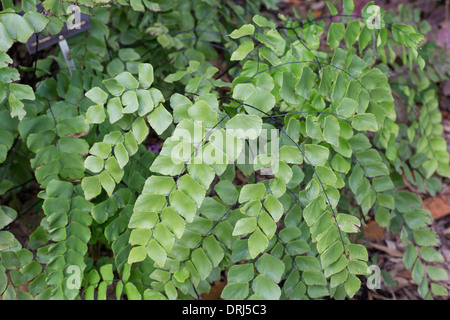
x,y
174,221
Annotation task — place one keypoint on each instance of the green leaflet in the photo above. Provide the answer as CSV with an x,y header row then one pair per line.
x,y
257,243
242,51
244,226
335,34
365,122
160,119
316,154
245,30
331,130
263,22
252,192
332,8
266,289
245,126
146,76
156,252
97,95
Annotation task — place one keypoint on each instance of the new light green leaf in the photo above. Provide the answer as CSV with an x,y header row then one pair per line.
x,y
242,51
173,221
115,109
130,101
17,107
265,288
160,119
331,254
313,210
184,205
316,155
201,263
326,175
137,254
91,187
335,34
365,122
164,237
145,75
306,82
331,130
357,252
113,168
127,80
140,237
271,267
95,114
348,223
274,207
156,252
259,100
251,192
97,95
114,87
94,163
244,226
352,285
245,30
263,22
235,291
213,250
121,154
243,90
202,112
346,107
140,130
332,8
227,191
313,129
257,243
245,126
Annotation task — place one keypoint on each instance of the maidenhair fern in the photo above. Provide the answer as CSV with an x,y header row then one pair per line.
x,y
311,126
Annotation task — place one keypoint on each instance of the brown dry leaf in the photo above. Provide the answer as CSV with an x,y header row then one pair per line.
x,y
438,206
293,2
446,88
239,178
317,6
447,232
317,14
215,292
406,274
409,294
374,231
381,297
401,282
391,252
78,135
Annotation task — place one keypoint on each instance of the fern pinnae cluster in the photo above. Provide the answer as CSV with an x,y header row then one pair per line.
x,y
120,218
